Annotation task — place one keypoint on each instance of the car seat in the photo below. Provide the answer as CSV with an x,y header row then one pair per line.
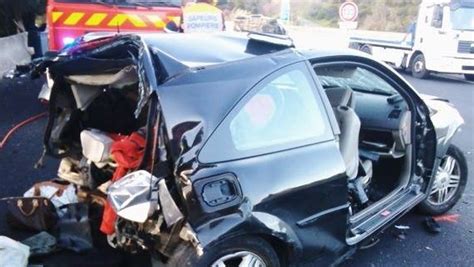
x,y
359,172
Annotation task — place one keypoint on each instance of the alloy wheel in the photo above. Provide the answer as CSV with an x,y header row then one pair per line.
x,y
446,181
240,259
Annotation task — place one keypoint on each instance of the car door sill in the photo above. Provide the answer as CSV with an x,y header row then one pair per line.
x,y
376,221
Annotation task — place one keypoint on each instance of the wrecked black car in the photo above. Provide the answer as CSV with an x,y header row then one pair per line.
x,y
240,150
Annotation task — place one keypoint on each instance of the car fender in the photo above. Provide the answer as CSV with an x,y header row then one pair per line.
x,y
252,223
446,121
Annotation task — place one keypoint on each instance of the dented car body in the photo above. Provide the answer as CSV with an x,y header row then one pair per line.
x,y
304,155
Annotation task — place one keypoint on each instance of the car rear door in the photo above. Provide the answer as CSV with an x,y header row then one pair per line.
x,y
280,145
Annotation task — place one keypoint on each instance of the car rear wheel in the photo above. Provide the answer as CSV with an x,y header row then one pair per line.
x,y
239,252
418,67
449,183
469,77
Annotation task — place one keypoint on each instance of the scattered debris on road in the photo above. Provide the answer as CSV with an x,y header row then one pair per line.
x,y
400,233
452,218
402,227
432,226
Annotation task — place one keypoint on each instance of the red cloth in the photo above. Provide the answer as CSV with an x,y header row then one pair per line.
x,y
127,152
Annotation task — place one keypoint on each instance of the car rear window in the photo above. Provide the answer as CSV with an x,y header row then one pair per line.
x,y
283,112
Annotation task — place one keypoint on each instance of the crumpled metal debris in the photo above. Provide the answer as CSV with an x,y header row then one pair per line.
x,y
132,196
432,226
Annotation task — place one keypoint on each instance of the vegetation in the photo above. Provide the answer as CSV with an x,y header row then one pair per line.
x,y
17,16
381,15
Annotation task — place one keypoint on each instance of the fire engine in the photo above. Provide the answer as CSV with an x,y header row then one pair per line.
x,y
70,19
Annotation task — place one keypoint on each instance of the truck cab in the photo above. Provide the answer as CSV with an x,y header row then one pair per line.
x,y
441,41
445,36
70,19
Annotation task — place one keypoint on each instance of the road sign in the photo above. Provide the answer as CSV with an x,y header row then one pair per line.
x,y
348,11
285,10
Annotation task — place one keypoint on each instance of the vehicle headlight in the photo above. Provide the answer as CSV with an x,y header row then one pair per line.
x,y
134,197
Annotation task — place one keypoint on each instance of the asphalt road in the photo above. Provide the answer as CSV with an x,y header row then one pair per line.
x,y
454,246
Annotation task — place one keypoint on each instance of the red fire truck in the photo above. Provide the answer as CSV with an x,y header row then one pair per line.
x,y
69,19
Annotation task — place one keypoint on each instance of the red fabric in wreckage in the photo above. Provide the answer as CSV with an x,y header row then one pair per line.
x,y
127,152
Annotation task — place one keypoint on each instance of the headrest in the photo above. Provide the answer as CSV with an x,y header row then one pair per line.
x,y
339,96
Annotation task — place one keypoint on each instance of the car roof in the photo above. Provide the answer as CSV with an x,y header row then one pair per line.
x,y
209,74
195,50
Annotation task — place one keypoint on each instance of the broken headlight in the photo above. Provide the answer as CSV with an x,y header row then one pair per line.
x,y
134,197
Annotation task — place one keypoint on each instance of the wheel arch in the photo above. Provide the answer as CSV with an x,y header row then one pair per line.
x,y
264,225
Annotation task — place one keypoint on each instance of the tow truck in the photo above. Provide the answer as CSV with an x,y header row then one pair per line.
x,y
441,41
69,19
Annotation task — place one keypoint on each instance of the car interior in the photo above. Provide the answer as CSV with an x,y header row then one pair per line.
x,y
375,138
91,111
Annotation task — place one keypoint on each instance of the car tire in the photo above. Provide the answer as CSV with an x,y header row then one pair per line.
x,y
185,255
366,49
469,77
427,206
418,67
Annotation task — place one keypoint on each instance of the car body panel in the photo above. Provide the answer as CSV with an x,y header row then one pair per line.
x,y
446,120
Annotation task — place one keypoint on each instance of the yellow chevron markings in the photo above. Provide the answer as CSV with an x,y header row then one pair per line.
x,y
74,18
56,15
96,19
136,21
156,20
118,20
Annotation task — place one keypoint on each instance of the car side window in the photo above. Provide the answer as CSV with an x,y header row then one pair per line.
x,y
282,112
354,77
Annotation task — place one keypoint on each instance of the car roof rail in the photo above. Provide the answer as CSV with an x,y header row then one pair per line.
x,y
277,39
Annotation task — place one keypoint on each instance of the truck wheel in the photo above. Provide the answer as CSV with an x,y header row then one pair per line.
x,y
449,183
418,67
366,49
241,251
469,77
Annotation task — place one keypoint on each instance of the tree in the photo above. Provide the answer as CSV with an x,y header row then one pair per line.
x,y
18,16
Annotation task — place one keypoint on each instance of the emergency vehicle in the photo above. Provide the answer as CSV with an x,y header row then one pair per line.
x,y
69,19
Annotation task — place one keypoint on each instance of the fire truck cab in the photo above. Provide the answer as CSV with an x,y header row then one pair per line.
x,y
69,19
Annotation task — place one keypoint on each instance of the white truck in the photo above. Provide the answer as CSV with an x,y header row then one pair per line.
x,y
442,41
